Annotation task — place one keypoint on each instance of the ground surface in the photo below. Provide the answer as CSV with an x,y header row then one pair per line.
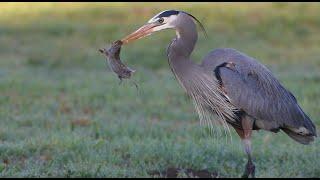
x,y
62,112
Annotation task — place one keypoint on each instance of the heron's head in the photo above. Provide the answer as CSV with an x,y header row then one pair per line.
x,y
163,20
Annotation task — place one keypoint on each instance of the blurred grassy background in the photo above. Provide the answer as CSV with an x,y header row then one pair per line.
x,y
63,113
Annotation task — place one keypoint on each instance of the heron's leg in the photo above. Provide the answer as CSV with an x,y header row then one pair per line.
x,y
250,167
245,135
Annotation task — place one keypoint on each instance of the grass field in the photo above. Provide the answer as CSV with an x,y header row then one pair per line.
x,y
63,113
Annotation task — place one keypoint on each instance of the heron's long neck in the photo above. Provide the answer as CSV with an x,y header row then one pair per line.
x,y
196,81
180,49
183,45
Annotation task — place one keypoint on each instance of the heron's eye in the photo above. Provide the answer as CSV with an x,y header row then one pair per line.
x,y
160,20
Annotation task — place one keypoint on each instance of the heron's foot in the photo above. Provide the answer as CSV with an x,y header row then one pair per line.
x,y
250,169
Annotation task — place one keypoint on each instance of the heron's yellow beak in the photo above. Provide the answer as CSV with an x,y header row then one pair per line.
x,y
143,31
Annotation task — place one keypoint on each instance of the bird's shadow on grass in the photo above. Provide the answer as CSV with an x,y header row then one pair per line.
x,y
172,172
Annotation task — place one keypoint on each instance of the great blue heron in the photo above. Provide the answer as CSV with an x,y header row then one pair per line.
x,y
236,87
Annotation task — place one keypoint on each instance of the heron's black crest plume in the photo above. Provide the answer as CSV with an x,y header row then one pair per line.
x,y
199,23
168,13
175,12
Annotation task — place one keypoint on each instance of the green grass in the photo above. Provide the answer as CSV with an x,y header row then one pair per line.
x,y
63,114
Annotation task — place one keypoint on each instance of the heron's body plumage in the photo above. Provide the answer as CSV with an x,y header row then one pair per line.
x,y
247,86
252,88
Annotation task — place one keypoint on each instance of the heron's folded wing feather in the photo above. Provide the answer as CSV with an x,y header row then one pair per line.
x,y
254,89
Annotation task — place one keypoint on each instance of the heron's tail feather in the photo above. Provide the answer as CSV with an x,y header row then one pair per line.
x,y
309,125
303,139
303,133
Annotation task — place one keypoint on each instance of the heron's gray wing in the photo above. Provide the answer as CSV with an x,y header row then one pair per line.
x,y
252,88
